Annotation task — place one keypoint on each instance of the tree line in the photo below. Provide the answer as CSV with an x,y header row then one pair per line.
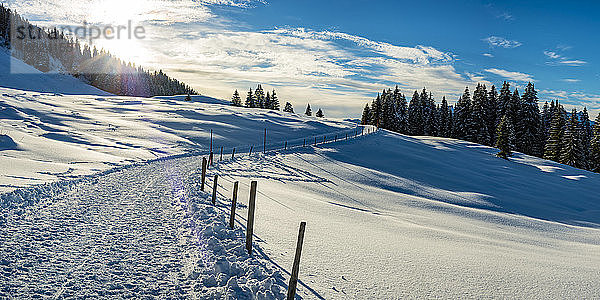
x,y
505,119
269,100
51,49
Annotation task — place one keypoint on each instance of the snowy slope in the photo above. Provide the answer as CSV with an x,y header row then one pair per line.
x,y
391,216
16,74
64,136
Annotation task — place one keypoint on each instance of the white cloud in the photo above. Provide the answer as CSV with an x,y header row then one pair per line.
x,y
558,59
488,55
516,76
495,41
570,80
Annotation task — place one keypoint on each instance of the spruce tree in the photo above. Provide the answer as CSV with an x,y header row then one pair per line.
x,y
572,151
308,111
259,96
529,123
267,102
274,101
445,119
477,126
250,100
401,112
376,109
236,100
503,102
319,114
288,108
366,116
504,135
553,148
546,119
594,158
586,132
462,116
415,115
491,111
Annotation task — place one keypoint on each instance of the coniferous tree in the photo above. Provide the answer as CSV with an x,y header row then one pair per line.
x,y
462,117
445,119
504,136
259,97
477,127
504,100
586,132
366,116
529,123
250,100
267,101
274,101
594,158
288,107
319,114
376,108
553,148
546,119
491,111
308,111
415,115
572,151
236,100
401,112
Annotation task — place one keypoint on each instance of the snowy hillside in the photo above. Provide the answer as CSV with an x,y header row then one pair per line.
x,y
16,74
52,136
391,216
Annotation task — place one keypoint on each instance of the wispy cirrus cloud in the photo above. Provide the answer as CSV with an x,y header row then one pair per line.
x,y
488,55
515,76
557,59
495,41
571,80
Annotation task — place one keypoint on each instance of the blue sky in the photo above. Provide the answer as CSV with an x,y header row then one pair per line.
x,y
338,54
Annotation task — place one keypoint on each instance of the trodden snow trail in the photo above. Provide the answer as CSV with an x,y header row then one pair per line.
x,y
139,232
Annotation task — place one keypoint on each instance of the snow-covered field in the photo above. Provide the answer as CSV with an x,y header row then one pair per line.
x,y
46,137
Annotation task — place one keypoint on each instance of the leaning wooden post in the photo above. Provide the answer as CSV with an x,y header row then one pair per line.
x,y
285,147
324,137
233,204
214,195
203,173
233,154
250,150
296,268
250,225
221,158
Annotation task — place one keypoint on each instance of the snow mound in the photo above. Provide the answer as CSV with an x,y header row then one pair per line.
x,y
7,143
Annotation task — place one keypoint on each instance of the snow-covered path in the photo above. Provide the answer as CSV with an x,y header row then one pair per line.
x,y
143,231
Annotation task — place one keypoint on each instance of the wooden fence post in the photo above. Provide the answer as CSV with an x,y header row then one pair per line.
x,y
315,140
304,143
250,225
210,158
233,204
221,158
250,150
324,137
265,143
214,195
211,141
335,139
346,136
203,173
233,154
296,268
285,147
